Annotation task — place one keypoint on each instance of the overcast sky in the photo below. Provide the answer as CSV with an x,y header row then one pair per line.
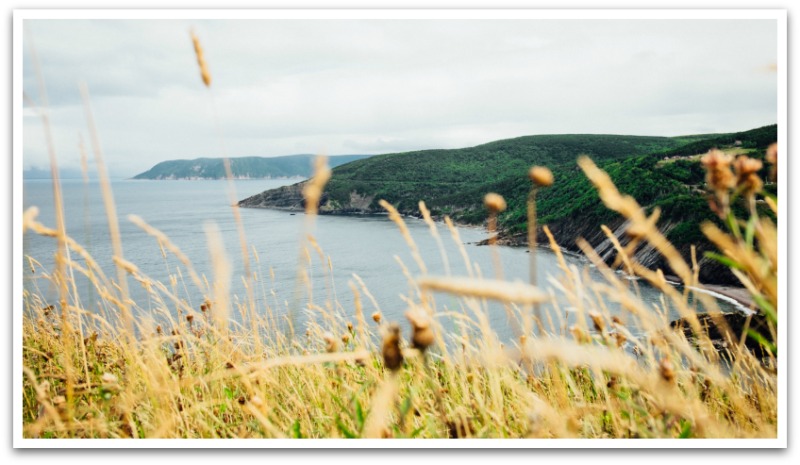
x,y
283,87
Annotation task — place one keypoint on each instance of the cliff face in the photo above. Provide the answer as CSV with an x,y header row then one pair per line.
x,y
290,198
567,232
283,198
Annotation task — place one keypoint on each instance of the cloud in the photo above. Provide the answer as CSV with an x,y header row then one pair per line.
x,y
378,86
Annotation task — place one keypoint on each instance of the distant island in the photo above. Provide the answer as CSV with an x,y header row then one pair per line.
x,y
660,172
289,166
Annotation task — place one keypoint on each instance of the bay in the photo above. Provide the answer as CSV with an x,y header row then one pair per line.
x,y
370,247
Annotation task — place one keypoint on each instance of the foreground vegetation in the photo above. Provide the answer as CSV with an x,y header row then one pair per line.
x,y
225,368
206,364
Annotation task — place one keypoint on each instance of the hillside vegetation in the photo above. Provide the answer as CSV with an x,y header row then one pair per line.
x,y
289,166
660,172
404,179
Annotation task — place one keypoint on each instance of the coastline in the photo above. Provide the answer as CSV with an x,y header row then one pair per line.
x,y
738,294
734,294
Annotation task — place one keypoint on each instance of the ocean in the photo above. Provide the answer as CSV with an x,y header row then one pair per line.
x,y
369,248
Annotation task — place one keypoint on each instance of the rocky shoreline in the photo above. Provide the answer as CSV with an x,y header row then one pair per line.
x,y
289,198
712,273
739,294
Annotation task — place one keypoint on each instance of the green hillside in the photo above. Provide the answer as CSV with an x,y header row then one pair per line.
x,y
659,172
672,180
243,167
449,177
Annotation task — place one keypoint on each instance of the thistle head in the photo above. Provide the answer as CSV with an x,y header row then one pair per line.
x,y
392,354
421,331
718,170
746,170
772,159
772,154
331,344
666,370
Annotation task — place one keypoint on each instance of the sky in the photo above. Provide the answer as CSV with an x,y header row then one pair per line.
x,y
282,87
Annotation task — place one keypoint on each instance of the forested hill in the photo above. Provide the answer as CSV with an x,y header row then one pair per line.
x,y
290,166
402,177
658,171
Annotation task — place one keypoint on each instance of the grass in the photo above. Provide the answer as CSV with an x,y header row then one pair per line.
x,y
205,373
235,368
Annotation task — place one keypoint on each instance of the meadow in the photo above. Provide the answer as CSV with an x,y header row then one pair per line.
x,y
194,373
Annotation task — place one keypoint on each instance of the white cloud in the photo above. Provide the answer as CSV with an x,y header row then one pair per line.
x,y
303,86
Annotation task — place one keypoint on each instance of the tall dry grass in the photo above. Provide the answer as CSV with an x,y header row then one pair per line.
x,y
231,369
207,372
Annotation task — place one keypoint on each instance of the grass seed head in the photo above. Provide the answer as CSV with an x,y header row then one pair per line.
x,y
201,61
541,176
494,202
376,317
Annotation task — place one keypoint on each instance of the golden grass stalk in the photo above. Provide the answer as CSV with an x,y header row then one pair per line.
x,y
394,215
540,176
222,278
205,75
312,191
164,241
502,291
758,270
426,216
630,209
62,252
111,211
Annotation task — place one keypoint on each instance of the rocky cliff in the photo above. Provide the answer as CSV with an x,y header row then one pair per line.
x,y
566,232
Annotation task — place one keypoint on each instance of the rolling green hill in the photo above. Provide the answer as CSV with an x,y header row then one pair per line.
x,y
405,178
659,172
289,166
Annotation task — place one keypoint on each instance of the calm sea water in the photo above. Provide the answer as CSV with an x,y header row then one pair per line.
x,y
369,247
